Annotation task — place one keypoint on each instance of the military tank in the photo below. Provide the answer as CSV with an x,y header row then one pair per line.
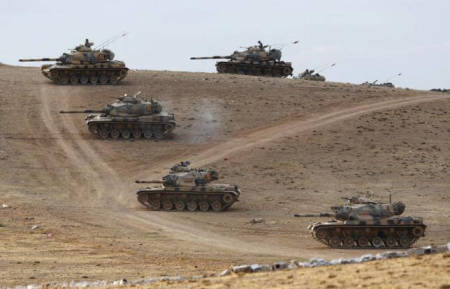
x,y
310,75
129,117
367,224
186,188
84,65
376,84
255,60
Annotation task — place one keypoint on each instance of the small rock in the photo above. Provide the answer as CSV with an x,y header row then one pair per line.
x,y
257,220
241,269
316,262
34,227
225,273
5,206
280,266
366,258
260,268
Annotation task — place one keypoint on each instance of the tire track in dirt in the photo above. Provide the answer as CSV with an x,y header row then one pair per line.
x,y
109,184
179,227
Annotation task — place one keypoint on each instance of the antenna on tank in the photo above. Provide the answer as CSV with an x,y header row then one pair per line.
x,y
111,40
283,45
327,67
137,94
392,76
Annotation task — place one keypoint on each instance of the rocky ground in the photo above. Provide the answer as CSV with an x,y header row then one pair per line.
x,y
292,146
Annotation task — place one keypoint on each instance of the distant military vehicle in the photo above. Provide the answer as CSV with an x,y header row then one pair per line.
x,y
367,224
130,116
255,60
374,83
310,75
84,65
443,90
188,188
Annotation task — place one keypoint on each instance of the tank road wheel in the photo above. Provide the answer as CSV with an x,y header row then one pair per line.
x,y
221,68
158,131
103,131
180,205
390,242
287,71
348,242
103,78
115,133
137,133
203,206
377,242
93,78
405,242
63,78
321,234
93,128
74,79
167,205
125,133
148,133
155,204
267,72
84,79
115,77
335,242
192,206
417,232
216,206
228,198
363,242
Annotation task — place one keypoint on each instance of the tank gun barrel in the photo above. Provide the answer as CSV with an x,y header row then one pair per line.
x,y
82,111
149,182
211,57
314,215
38,59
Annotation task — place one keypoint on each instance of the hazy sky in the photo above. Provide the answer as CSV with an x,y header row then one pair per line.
x,y
367,40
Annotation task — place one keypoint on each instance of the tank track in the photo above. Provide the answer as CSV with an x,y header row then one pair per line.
x,y
127,130
368,236
180,201
278,69
87,76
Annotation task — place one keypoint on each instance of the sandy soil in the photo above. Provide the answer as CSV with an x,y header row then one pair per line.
x,y
414,272
291,145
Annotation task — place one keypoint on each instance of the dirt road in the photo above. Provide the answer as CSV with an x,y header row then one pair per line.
x,y
81,188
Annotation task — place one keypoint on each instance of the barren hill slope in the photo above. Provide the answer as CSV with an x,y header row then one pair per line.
x,y
290,145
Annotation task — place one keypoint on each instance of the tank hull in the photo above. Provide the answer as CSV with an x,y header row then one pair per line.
x,y
111,72
197,198
368,236
268,68
313,77
152,127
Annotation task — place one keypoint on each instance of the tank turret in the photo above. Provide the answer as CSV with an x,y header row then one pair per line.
x,y
188,188
366,224
255,60
129,116
310,75
84,65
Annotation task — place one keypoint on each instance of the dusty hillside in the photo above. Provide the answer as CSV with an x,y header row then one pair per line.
x,y
413,272
290,145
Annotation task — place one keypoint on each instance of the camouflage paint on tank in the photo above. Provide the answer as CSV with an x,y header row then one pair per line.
x,y
367,224
310,75
188,188
130,116
84,65
255,60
